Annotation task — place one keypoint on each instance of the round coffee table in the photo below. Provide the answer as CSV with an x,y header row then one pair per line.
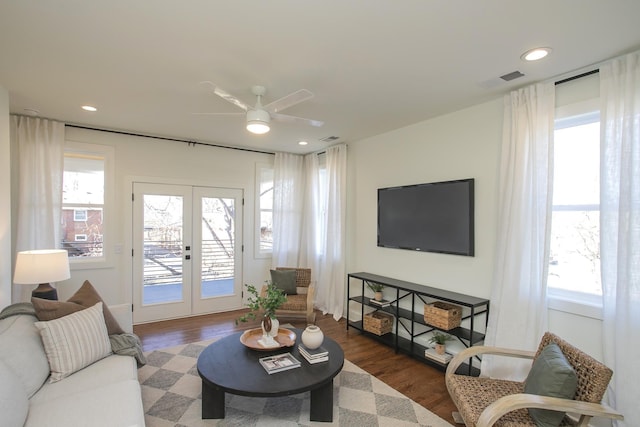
x,y
227,366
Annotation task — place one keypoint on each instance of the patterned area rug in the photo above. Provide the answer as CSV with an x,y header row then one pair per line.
x,y
171,396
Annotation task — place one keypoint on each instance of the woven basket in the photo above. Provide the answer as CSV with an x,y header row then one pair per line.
x,y
378,323
443,315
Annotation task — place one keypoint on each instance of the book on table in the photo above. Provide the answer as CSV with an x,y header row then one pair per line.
x,y
279,363
430,353
316,355
315,359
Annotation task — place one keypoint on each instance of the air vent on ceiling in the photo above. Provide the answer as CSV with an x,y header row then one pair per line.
x,y
512,76
329,138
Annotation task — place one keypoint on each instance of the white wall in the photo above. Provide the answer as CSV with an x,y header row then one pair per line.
x,y
463,144
5,202
171,162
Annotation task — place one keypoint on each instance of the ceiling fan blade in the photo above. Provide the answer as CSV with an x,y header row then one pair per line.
x,y
289,101
218,114
226,95
293,119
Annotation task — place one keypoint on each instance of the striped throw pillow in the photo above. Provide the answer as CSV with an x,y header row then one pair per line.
x,y
74,341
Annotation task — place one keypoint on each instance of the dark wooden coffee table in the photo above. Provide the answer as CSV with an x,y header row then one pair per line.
x,y
227,366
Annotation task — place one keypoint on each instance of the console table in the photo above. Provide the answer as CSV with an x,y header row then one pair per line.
x,y
407,307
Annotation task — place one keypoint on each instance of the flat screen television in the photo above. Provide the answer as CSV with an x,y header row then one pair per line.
x,y
432,217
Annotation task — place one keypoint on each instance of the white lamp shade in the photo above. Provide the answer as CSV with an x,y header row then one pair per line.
x,y
41,266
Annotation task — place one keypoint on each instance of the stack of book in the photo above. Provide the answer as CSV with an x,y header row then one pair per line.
x,y
317,355
279,363
430,353
381,303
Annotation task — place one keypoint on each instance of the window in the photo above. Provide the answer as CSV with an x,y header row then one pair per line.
x,y
264,211
79,214
574,256
84,186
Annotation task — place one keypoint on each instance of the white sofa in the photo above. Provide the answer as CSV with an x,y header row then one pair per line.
x,y
105,393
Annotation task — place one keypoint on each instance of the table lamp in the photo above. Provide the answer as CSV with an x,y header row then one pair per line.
x,y
42,267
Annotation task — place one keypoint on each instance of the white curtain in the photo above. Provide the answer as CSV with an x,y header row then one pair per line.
x,y
309,215
331,294
288,197
40,145
518,315
620,230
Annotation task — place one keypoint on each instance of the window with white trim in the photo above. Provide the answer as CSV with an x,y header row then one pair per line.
x,y
264,211
574,256
87,174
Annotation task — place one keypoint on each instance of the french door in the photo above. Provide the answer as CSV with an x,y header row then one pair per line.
x,y
187,250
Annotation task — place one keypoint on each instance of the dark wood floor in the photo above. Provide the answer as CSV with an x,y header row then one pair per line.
x,y
422,383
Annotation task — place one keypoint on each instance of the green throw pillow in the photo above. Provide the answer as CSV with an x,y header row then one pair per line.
x,y
285,280
550,375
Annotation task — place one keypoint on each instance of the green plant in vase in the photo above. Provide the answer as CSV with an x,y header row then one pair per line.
x,y
376,288
440,340
266,303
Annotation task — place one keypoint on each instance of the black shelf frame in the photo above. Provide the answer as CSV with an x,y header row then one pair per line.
x,y
412,321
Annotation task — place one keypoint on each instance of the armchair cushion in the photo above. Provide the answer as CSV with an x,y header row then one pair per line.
x,y
550,375
285,280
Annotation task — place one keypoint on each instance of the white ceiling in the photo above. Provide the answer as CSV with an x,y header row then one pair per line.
x,y
373,65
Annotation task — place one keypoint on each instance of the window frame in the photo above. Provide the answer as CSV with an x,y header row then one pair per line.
x,y
108,154
580,303
258,252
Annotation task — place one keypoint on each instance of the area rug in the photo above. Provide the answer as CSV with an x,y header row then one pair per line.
x,y
171,391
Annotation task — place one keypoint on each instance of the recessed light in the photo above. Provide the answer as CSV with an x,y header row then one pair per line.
x,y
89,108
536,54
302,142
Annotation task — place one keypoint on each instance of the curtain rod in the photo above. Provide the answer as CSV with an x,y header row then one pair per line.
x,y
186,141
568,79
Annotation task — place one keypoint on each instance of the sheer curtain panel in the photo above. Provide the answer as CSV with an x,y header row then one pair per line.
x,y
620,230
40,145
331,274
288,197
518,315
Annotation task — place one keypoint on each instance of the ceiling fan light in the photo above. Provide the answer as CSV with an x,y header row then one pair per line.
x,y
258,121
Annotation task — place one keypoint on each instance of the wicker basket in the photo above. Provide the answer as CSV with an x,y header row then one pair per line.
x,y
443,315
378,323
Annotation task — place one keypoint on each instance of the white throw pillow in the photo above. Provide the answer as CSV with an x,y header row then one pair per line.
x,y
74,341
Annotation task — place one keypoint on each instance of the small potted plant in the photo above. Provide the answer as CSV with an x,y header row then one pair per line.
x,y
440,340
376,288
266,303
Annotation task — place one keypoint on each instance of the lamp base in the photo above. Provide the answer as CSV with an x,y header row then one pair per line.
x,y
45,291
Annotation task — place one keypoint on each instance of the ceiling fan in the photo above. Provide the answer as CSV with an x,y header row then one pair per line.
x,y
258,117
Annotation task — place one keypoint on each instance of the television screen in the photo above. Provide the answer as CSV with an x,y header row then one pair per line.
x,y
433,217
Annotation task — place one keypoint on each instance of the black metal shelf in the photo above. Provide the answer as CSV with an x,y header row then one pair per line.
x,y
467,336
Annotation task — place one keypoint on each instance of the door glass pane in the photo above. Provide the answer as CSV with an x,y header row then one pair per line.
x,y
163,243
218,246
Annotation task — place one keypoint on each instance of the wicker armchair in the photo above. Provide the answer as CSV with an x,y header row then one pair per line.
x,y
301,304
486,402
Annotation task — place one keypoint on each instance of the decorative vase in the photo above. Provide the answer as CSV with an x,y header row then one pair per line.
x,y
312,337
440,348
378,296
270,328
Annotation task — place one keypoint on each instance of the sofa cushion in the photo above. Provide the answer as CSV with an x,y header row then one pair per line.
x,y
74,341
14,404
284,280
116,404
550,375
22,351
111,369
85,297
